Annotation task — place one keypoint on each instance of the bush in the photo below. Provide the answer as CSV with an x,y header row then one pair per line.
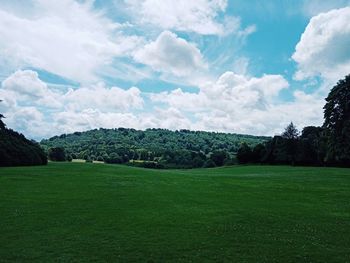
x,y
57,154
209,164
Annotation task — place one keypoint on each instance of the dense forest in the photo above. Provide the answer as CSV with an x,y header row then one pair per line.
x,y
16,150
150,148
326,145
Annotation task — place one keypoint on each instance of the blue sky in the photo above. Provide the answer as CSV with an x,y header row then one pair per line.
x,y
217,65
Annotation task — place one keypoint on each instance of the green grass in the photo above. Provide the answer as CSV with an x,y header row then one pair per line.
x,y
77,212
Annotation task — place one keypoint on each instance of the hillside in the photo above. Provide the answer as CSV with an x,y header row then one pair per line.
x,y
180,148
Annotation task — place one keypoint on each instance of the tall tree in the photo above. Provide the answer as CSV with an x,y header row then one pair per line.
x,y
290,136
311,146
290,132
337,123
244,154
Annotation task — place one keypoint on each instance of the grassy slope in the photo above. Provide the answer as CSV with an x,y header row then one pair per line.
x,y
89,212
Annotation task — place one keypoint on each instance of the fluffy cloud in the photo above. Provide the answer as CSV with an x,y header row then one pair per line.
x,y
65,37
28,120
25,82
25,86
244,105
233,103
103,98
182,15
171,54
230,93
182,100
32,107
324,47
168,118
70,121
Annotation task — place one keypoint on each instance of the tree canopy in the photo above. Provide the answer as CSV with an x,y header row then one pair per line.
x,y
337,122
290,132
57,154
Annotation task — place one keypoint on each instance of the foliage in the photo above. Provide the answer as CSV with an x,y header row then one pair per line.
x,y
170,149
290,132
337,123
219,157
244,154
57,154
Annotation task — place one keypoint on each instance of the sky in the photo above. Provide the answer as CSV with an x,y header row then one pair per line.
x,y
236,66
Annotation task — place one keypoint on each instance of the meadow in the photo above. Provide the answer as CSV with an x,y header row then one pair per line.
x,y
83,212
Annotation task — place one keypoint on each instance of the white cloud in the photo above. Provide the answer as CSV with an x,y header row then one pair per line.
x,y
28,120
233,103
324,47
103,98
32,107
64,37
182,15
27,83
25,86
71,121
168,118
171,54
237,103
182,100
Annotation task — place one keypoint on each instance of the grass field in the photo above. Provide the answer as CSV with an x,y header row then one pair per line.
x,y
79,212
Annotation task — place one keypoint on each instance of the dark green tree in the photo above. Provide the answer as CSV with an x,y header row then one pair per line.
x,y
337,123
209,163
244,154
57,154
290,132
114,158
290,136
258,152
311,146
218,157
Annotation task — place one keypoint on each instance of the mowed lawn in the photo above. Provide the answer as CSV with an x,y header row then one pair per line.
x,y
78,212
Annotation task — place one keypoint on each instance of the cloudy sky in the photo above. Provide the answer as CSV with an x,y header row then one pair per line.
x,y
218,65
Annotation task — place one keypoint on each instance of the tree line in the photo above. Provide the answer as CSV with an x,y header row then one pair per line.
x,y
328,145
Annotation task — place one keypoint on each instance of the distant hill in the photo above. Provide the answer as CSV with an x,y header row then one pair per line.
x,y
160,145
